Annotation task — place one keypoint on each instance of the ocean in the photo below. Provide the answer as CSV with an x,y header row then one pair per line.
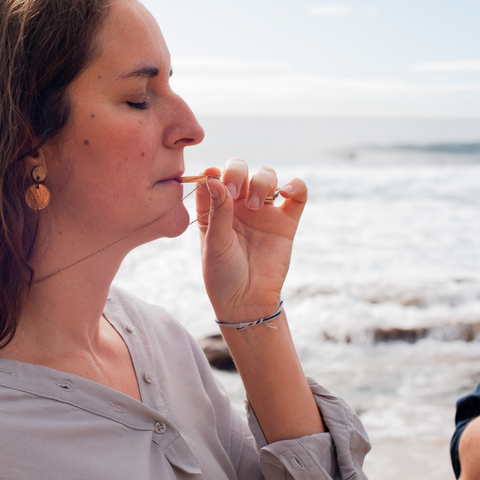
x,y
383,293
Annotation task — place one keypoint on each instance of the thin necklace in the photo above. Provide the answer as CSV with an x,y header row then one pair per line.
x,y
200,179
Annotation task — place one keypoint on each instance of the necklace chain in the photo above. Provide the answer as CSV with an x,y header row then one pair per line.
x,y
209,177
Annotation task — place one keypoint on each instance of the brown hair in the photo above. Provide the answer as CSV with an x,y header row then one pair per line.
x,y
44,45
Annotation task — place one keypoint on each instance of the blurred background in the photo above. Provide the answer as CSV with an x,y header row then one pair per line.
x,y
415,58
376,105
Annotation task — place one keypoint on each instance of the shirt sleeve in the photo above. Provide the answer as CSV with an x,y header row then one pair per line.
x,y
334,455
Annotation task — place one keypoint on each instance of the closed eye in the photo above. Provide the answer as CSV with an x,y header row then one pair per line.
x,y
140,106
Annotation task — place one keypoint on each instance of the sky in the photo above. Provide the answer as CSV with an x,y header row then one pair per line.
x,y
378,58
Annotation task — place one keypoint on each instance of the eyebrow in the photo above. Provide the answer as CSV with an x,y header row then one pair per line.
x,y
148,72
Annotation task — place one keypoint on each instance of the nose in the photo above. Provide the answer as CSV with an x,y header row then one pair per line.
x,y
184,129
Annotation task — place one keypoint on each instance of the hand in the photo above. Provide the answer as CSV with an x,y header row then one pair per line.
x,y
246,245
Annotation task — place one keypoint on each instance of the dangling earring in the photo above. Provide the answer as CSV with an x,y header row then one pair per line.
x,y
38,196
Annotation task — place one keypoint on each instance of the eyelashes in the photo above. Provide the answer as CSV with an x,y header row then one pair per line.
x,y
139,106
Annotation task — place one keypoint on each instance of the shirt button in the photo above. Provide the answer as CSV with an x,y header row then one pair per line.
x,y
160,427
148,377
129,328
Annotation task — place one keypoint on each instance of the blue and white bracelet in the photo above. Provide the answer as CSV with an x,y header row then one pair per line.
x,y
243,326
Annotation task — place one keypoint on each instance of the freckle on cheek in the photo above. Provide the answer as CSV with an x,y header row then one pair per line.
x,y
87,142
140,122
143,154
93,115
99,77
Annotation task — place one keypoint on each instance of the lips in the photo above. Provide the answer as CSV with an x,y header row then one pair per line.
x,y
172,178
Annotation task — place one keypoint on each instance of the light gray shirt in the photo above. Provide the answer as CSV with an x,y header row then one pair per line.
x,y
59,426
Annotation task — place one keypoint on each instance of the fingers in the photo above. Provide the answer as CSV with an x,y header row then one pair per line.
x,y
262,184
212,194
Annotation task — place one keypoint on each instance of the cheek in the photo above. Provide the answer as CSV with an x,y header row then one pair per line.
x,y
118,146
113,156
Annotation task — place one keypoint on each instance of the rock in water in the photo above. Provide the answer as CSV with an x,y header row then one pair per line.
x,y
217,352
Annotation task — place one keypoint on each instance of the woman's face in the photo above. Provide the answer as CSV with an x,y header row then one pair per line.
x,y
115,166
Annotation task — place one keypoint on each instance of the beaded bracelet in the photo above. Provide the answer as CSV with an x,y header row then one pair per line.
x,y
243,326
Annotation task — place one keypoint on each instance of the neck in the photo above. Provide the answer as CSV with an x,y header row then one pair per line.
x,y
63,313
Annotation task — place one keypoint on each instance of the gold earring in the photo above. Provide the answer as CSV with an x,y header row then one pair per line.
x,y
38,196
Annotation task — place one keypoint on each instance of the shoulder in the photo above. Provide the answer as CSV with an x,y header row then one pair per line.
x,y
124,308
468,408
468,449
125,302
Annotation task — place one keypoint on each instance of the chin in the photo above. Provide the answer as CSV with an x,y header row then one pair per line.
x,y
174,224
171,226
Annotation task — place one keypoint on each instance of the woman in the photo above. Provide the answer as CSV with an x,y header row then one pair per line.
x,y
93,382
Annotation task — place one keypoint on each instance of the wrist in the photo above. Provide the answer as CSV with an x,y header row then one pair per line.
x,y
267,321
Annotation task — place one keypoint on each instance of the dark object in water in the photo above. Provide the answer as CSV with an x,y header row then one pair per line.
x,y
410,335
217,352
467,332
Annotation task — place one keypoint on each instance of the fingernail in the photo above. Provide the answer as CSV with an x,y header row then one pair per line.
x,y
214,193
232,188
288,189
253,202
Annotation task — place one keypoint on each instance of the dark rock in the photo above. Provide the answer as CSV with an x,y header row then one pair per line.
x,y
217,352
467,332
410,335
